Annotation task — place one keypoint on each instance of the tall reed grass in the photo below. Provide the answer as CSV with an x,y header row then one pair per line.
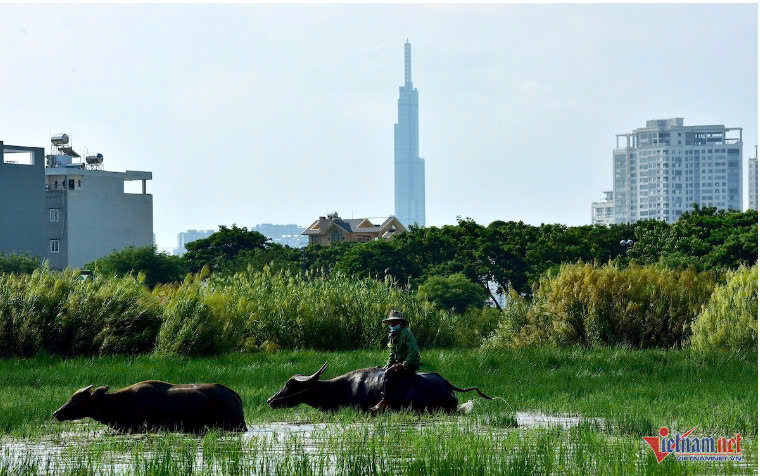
x,y
729,320
59,313
582,304
588,305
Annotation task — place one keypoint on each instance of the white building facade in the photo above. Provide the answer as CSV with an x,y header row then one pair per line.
x,y
662,169
603,211
752,182
90,215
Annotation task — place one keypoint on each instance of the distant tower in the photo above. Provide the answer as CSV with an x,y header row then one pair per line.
x,y
408,165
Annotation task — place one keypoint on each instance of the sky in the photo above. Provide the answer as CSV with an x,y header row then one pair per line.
x,y
252,114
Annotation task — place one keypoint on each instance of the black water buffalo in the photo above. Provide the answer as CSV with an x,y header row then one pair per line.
x,y
156,405
362,389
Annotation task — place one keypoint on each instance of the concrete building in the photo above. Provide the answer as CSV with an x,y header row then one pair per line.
x,y
662,169
603,211
90,215
68,212
409,167
752,182
22,195
189,236
286,235
333,229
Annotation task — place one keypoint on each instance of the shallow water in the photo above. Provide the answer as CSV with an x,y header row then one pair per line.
x,y
309,437
263,446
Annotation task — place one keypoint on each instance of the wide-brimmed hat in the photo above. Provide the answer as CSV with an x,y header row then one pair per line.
x,y
395,316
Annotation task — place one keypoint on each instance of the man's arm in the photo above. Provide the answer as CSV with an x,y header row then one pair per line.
x,y
412,359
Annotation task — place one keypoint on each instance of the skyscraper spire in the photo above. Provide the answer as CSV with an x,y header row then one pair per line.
x,y
409,167
407,62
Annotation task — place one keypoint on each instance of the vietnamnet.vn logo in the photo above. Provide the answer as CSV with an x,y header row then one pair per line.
x,y
693,448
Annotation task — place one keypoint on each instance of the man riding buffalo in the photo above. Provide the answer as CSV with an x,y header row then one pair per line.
x,y
403,361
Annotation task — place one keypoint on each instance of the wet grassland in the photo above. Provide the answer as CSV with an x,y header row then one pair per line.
x,y
564,411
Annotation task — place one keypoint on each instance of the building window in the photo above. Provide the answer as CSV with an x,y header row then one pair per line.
x,y
54,246
71,184
53,215
335,236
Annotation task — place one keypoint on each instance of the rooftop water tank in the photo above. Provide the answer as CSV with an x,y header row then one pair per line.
x,y
60,139
94,159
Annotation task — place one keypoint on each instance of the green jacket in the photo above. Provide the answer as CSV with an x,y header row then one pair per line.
x,y
404,349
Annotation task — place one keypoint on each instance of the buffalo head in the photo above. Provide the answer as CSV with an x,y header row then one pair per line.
x,y
295,390
81,405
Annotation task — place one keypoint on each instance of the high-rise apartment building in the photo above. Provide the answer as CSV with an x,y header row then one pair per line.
x,y
662,169
408,165
752,182
603,211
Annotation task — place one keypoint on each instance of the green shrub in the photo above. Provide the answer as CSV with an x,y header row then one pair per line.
x,y
157,267
29,307
109,316
62,314
513,318
189,327
455,292
729,320
638,306
324,312
18,263
475,325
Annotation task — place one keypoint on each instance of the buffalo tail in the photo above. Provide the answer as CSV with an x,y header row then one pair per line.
x,y
457,389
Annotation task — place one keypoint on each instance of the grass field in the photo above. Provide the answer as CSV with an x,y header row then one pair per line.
x,y
619,394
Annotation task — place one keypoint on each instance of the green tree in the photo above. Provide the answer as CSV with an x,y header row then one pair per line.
x,y
704,238
158,267
453,292
376,259
18,263
221,247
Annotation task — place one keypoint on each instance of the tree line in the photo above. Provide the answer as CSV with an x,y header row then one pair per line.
x,y
513,255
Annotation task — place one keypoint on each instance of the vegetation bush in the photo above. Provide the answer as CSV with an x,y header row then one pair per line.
x,y
189,326
18,263
455,292
156,266
325,312
475,325
61,314
587,305
513,318
729,320
578,304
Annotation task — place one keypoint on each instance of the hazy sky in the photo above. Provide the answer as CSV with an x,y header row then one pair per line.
x,y
254,114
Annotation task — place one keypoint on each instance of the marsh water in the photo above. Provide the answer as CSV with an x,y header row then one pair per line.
x,y
522,443
267,443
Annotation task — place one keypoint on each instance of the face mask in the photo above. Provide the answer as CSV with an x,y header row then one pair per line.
x,y
395,328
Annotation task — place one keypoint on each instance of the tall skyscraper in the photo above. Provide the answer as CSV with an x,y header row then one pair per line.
x,y
665,167
408,165
752,182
